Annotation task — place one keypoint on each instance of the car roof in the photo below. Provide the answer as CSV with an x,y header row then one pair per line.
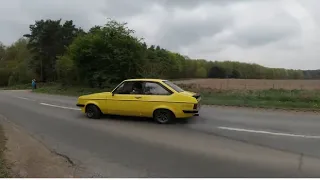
x,y
153,80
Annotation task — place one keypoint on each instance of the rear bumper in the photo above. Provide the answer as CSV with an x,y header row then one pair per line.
x,y
191,111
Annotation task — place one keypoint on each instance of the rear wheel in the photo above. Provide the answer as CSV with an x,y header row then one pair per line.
x,y
93,112
163,116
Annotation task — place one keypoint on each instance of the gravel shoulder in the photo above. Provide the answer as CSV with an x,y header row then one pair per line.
x,y
27,157
4,170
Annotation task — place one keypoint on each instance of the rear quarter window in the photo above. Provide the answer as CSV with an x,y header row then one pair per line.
x,y
173,86
152,88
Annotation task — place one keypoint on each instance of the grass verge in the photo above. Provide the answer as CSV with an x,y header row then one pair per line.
x,y
271,98
308,100
55,88
4,170
67,90
17,87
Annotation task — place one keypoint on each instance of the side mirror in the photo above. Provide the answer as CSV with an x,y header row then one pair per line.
x,y
112,94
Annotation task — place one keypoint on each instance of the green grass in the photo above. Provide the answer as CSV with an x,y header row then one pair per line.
x,y
272,98
53,88
17,87
4,170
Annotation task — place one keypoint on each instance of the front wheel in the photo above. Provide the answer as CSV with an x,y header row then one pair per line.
x,y
163,116
93,112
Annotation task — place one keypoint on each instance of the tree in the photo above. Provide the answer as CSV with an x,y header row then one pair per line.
x,y
14,64
311,74
201,72
105,55
161,63
189,69
235,74
59,51
47,40
2,51
217,72
19,56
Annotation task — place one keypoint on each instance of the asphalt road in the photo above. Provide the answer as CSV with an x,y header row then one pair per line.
x,y
222,142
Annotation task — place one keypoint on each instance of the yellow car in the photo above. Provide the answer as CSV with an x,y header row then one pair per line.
x,y
159,99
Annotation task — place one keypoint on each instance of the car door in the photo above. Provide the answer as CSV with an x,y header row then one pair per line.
x,y
155,95
124,102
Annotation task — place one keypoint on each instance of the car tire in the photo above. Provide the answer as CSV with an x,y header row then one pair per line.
x,y
163,116
93,112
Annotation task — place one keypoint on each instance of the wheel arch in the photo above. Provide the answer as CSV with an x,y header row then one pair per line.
x,y
91,103
164,108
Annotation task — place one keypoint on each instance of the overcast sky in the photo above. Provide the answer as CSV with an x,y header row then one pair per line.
x,y
274,33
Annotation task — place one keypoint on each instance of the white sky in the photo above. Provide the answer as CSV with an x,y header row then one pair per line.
x,y
274,33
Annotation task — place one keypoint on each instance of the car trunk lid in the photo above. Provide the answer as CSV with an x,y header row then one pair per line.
x,y
195,95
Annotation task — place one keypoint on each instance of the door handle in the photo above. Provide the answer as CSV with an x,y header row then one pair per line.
x,y
137,97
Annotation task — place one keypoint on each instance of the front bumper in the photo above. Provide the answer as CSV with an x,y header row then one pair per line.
x,y
80,105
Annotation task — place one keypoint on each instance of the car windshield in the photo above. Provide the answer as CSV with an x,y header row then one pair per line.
x,y
173,86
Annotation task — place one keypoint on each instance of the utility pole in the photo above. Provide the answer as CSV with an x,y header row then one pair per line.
x,y
41,71
41,66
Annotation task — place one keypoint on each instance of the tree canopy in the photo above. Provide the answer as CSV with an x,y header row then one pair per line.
x,y
47,40
57,51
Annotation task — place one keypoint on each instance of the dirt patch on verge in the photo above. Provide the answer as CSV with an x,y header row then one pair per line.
x,y
28,158
4,170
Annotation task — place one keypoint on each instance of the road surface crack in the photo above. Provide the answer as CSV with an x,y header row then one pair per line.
x,y
64,156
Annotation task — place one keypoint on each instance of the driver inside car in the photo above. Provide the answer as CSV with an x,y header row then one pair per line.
x,y
137,88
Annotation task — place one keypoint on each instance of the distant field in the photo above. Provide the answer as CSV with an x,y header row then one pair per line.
x,y
253,84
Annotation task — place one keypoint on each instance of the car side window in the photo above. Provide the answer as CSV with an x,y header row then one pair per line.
x,y
130,88
151,88
124,88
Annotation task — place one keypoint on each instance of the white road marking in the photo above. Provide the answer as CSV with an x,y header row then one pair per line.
x,y
270,133
24,98
62,107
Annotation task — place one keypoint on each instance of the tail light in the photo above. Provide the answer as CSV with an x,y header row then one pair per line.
x,y
195,106
196,96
